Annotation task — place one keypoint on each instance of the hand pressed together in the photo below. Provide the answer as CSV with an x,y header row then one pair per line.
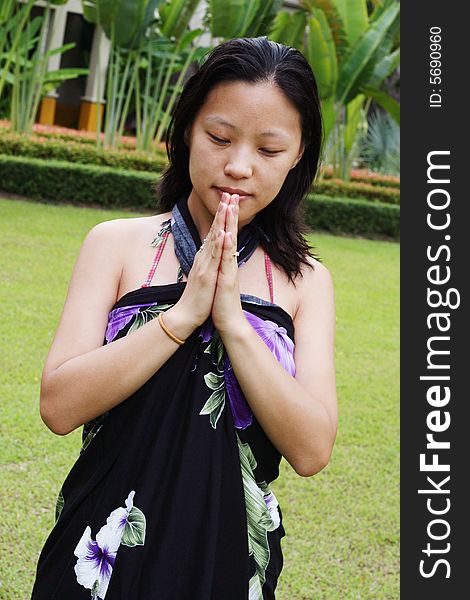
x,y
226,311
212,287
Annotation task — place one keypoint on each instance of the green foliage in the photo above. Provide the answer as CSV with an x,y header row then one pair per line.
x,y
56,181
358,189
351,54
13,18
28,52
241,18
124,21
381,146
75,151
358,217
365,176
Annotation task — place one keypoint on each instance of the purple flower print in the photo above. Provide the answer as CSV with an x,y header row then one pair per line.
x,y
280,344
119,318
272,504
242,415
276,339
207,330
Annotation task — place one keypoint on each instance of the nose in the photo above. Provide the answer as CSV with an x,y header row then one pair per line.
x,y
239,164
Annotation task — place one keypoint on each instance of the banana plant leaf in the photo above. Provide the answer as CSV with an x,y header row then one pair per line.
x,y
369,74
121,20
63,74
175,17
362,52
354,116
232,18
319,50
21,18
289,28
384,69
335,22
354,16
386,102
329,115
264,17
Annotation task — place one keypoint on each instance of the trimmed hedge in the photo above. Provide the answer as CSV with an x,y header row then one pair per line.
x,y
56,132
75,151
366,176
60,181
352,189
361,217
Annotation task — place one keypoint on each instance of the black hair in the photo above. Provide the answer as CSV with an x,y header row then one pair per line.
x,y
255,60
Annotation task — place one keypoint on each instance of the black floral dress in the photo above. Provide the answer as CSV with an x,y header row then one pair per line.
x,y
169,498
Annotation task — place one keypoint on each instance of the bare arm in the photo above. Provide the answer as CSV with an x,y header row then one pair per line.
x,y
298,414
83,379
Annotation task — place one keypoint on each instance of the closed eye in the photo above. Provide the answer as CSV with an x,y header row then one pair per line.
x,y
218,140
273,152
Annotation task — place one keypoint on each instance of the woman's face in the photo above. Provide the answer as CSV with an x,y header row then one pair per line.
x,y
244,139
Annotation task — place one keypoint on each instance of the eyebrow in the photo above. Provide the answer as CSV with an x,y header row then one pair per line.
x,y
220,121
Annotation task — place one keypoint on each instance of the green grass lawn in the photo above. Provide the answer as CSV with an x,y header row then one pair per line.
x,y
342,525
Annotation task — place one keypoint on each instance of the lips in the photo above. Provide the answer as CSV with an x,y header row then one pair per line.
x,y
233,191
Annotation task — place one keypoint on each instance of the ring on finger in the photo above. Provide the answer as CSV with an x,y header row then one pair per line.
x,y
202,245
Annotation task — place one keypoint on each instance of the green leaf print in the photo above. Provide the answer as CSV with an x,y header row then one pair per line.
x,y
92,429
166,228
216,349
255,591
214,381
134,531
259,520
147,314
214,405
59,505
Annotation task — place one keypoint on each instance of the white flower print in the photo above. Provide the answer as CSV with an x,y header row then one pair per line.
x,y
96,558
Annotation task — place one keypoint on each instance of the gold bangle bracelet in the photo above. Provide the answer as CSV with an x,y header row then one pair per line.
x,y
167,331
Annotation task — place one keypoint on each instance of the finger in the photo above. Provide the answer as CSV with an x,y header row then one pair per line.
x,y
220,216
218,221
228,263
217,248
217,224
232,218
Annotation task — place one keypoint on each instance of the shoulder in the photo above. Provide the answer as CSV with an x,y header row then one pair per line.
x,y
314,285
117,233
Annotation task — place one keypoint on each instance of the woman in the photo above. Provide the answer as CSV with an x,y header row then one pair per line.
x,y
200,385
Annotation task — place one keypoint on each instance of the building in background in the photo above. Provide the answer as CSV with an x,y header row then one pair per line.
x,y
75,102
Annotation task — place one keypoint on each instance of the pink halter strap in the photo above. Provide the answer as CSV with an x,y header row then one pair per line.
x,y
269,275
156,260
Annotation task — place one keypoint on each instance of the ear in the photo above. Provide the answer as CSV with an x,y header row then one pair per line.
x,y
187,135
299,156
